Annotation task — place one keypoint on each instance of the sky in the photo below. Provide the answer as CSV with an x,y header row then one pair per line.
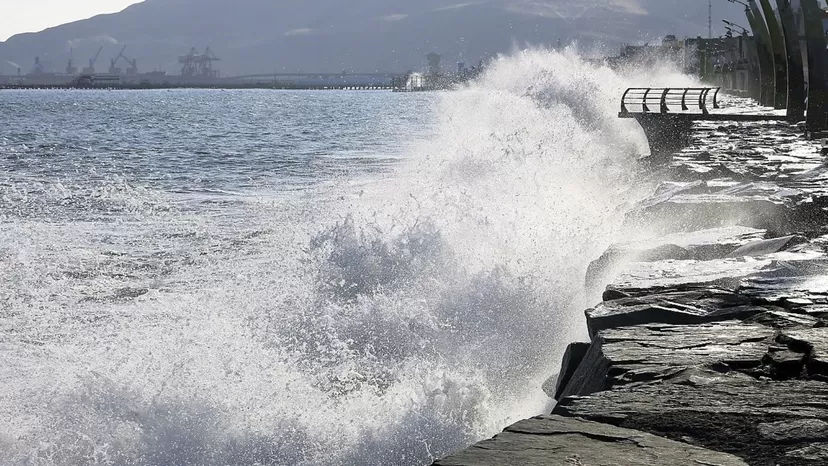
x,y
18,16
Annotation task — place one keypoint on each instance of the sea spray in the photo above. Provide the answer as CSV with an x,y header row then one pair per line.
x,y
388,319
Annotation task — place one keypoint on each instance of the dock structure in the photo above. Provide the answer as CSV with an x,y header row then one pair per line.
x,y
710,341
198,70
371,81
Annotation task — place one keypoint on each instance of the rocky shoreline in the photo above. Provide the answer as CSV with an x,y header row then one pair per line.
x,y
711,344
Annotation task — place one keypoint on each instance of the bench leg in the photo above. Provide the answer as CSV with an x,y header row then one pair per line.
x,y
666,134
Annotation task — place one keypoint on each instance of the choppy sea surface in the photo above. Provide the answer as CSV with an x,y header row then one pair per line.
x,y
197,277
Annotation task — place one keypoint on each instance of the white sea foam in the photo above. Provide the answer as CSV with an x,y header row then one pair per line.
x,y
375,321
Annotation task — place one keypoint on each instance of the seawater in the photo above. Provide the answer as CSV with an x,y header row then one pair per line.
x,y
268,277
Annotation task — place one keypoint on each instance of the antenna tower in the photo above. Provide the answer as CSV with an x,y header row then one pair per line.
x,y
709,19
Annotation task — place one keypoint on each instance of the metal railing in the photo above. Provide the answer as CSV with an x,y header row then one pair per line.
x,y
669,100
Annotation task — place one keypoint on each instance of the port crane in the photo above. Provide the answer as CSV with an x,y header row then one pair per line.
x,y
199,64
71,69
132,65
92,61
113,69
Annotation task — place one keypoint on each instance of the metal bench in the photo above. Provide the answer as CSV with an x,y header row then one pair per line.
x,y
667,114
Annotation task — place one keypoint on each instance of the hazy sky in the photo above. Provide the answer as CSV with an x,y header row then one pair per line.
x,y
18,16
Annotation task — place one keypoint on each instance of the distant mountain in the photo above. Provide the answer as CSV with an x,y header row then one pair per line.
x,y
263,36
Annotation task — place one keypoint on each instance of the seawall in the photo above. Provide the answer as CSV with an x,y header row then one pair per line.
x,y
710,346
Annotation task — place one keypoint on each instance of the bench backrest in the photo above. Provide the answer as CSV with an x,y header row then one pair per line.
x,y
669,100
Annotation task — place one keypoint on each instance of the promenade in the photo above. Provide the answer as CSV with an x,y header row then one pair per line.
x,y
710,346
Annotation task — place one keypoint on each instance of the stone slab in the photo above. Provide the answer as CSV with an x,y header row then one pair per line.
x,y
654,352
773,206
814,343
557,441
765,422
768,246
680,307
572,358
641,278
709,244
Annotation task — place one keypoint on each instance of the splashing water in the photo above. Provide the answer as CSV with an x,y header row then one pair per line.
x,y
423,314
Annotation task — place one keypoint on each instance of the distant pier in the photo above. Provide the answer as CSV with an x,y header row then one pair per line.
x,y
197,86
373,81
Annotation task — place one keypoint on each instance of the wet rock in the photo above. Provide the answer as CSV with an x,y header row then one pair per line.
x,y
794,430
641,278
657,352
714,243
814,454
813,342
687,307
780,319
611,294
800,285
616,256
692,212
554,441
726,413
572,358
689,171
768,246
784,364
764,205
698,245
760,273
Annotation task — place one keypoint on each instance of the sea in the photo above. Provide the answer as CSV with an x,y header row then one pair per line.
x,y
264,277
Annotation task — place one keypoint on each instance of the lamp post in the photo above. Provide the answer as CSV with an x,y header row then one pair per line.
x,y
734,25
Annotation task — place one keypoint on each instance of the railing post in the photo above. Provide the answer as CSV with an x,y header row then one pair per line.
x,y
703,101
684,99
664,108
645,106
624,101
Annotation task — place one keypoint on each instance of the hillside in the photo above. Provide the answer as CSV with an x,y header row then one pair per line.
x,y
260,36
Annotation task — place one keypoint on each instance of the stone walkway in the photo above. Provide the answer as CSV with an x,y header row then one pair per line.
x,y
711,344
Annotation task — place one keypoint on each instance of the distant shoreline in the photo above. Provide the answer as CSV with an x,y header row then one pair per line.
x,y
195,86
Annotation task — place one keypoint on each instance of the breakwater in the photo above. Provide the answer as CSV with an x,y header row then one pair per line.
x,y
710,343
